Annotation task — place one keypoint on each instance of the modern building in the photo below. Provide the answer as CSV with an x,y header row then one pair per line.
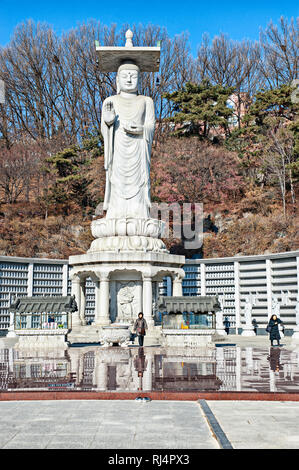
x,y
265,279
21,277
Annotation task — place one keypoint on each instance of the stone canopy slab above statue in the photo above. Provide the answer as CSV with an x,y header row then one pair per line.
x,y
111,57
147,60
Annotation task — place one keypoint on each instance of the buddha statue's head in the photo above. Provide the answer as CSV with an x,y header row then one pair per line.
x,y
127,77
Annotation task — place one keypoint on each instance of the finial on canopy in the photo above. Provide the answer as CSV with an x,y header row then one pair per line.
x,y
129,36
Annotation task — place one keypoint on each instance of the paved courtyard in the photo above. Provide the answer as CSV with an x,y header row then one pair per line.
x,y
123,424
129,424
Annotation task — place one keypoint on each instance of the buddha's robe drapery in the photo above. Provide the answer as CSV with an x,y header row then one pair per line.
x,y
127,157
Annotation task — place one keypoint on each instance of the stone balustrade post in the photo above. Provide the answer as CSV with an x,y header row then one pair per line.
x,y
148,301
101,376
148,374
177,287
102,301
82,301
76,291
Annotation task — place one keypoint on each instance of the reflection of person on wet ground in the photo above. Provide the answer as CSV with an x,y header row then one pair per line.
x,y
140,326
274,359
255,325
273,325
140,364
226,325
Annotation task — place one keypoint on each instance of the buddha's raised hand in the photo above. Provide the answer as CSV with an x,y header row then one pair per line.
x,y
108,113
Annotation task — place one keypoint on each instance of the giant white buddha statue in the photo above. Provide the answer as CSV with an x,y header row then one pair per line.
x,y
127,125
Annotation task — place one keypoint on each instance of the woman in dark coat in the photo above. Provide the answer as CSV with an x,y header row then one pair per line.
x,y
274,329
140,326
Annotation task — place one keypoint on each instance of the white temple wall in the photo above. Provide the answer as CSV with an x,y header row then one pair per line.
x,y
262,276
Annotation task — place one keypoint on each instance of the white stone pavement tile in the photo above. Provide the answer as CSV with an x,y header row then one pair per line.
x,y
61,442
166,425
27,442
259,425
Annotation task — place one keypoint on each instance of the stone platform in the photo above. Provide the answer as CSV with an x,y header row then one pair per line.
x,y
126,283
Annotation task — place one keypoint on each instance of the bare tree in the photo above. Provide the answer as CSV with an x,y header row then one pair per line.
x,y
276,156
18,165
280,52
231,64
55,88
54,84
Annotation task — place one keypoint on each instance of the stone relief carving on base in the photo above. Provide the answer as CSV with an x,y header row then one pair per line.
x,y
127,299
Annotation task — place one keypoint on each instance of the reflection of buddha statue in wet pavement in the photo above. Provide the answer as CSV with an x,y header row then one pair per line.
x,y
127,125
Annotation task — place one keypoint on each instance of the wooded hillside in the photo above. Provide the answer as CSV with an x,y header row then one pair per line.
x,y
226,136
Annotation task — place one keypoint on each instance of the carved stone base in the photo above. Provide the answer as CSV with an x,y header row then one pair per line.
x,y
127,234
126,283
130,227
115,333
187,338
126,243
42,339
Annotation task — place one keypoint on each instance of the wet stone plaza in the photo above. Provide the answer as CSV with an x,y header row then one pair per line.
x,y
229,366
236,394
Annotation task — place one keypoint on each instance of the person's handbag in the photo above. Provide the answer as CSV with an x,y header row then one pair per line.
x,y
268,329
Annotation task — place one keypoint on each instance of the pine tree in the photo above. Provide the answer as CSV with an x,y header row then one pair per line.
x,y
200,107
276,103
268,141
71,180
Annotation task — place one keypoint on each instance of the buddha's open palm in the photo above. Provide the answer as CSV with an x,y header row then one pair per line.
x,y
109,112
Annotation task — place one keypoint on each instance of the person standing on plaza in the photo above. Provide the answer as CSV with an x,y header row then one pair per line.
x,y
140,326
273,329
